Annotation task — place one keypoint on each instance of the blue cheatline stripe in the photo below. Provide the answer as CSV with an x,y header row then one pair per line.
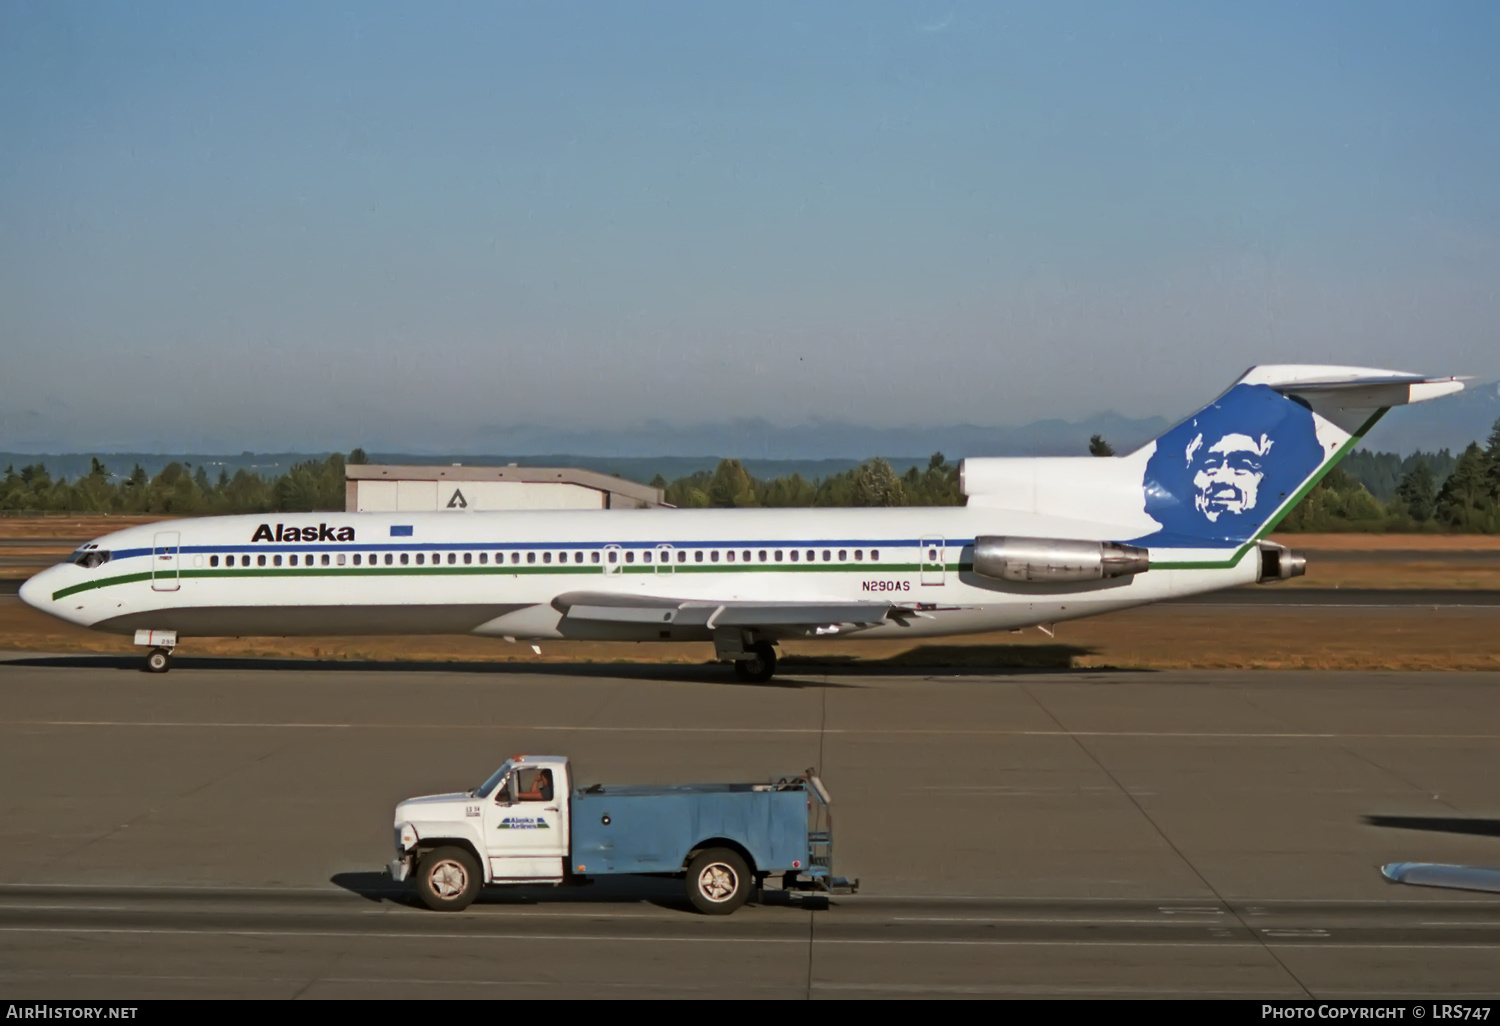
x,y
509,546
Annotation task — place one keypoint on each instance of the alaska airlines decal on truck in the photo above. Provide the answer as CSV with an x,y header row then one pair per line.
x,y
321,533
1221,474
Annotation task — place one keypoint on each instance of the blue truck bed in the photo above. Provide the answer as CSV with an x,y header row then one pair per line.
x,y
652,829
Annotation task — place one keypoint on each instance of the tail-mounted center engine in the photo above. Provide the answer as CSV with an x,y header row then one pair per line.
x,y
1055,560
1279,563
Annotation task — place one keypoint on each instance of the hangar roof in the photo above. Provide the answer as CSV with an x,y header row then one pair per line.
x,y
629,492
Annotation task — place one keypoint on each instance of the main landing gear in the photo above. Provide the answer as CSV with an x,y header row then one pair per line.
x,y
158,660
759,664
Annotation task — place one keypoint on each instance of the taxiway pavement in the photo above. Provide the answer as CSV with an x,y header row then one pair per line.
x,y
220,830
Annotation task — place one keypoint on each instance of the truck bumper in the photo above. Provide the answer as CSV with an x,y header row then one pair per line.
x,y
400,868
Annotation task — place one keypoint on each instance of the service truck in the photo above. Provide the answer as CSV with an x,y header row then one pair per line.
x,y
527,824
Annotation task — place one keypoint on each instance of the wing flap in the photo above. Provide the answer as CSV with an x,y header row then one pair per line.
x,y
649,609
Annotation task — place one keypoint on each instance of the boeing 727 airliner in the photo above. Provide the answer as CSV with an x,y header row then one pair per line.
x,y
1039,541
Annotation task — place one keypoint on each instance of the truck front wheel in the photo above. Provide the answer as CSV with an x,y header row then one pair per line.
x,y
448,879
718,881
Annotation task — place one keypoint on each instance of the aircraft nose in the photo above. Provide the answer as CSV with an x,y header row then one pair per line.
x,y
34,592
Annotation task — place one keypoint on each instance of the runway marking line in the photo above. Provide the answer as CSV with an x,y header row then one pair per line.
x,y
795,939
936,732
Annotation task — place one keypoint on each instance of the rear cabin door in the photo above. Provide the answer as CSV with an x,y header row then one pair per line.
x,y
526,830
165,573
934,561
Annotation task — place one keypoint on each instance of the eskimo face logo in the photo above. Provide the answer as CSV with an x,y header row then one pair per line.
x,y
1229,474
1220,475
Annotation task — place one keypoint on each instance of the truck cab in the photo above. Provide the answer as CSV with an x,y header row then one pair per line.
x,y
528,824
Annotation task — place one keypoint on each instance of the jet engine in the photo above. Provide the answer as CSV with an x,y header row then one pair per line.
x,y
1055,560
1279,563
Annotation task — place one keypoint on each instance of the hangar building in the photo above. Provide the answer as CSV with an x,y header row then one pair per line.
x,y
375,488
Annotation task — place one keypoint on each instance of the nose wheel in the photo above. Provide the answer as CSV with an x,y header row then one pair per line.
x,y
158,660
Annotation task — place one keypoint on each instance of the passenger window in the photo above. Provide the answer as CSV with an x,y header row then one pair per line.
x,y
698,556
420,558
404,558
875,555
613,555
260,560
713,556
357,558
533,785
484,558
515,557
342,557
682,555
388,559
468,558
275,560
325,559
843,555
645,557
811,555
827,555
593,557
729,556
778,555
213,560
747,555
931,555
762,555
629,556
578,557
531,557
794,555
859,554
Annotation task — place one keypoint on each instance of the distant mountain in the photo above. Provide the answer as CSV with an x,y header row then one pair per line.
x,y
1450,423
815,449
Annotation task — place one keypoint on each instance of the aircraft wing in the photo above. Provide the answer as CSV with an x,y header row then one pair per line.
x,y
793,617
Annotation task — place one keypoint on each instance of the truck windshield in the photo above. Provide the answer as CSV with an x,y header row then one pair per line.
x,y
487,788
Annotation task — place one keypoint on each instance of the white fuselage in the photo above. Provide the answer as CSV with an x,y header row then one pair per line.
x,y
499,574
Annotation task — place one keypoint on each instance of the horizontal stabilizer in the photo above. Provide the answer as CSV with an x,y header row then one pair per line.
x,y
1437,874
1360,387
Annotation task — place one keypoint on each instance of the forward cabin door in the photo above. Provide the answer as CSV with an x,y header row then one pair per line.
x,y
165,573
934,561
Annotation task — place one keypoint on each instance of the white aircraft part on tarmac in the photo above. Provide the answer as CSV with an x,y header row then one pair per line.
x,y
1059,539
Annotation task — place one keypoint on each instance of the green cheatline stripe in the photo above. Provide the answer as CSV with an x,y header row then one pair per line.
x,y
1285,508
596,570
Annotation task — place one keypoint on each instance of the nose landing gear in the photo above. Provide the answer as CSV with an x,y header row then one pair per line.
x,y
159,659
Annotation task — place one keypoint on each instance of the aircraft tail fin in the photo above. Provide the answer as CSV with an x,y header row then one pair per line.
x,y
1234,469
1223,476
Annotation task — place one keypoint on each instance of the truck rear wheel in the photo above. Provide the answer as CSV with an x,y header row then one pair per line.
x,y
718,881
448,879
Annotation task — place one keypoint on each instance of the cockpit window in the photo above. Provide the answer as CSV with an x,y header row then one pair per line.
x,y
90,558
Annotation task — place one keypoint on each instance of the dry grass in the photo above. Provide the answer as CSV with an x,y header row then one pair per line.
x,y
70,526
1391,542
1161,637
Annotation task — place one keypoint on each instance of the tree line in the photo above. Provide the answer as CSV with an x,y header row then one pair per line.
x,y
1368,492
180,489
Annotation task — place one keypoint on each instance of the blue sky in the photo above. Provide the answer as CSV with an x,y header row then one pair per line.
x,y
407,225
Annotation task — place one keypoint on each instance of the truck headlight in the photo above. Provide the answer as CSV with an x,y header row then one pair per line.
x,y
406,836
